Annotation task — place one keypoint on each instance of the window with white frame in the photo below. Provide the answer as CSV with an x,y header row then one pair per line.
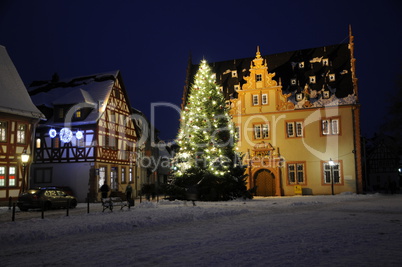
x,y
294,129
130,175
21,133
255,100
2,176
3,131
261,131
12,176
330,126
296,173
331,172
264,99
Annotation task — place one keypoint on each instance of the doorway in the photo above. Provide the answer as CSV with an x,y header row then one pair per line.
x,y
265,182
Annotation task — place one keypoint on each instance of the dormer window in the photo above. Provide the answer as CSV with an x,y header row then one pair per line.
x,y
236,87
301,65
78,114
258,77
299,96
325,62
331,77
234,73
293,81
325,94
312,79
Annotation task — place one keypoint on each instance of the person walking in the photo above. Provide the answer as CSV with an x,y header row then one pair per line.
x,y
104,189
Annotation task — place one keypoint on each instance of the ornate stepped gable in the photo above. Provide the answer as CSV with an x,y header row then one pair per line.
x,y
308,78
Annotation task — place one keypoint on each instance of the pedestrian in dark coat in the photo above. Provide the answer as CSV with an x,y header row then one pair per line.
x,y
104,189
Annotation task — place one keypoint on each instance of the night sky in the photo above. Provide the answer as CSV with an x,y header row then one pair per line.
x,y
150,43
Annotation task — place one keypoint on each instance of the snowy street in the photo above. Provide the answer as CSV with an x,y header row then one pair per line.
x,y
340,230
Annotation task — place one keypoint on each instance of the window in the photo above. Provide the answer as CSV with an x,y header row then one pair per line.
x,y
257,131
11,176
2,176
21,132
255,100
332,172
325,62
301,65
261,131
78,114
294,129
296,173
236,87
330,126
112,117
37,143
43,175
130,175
312,79
293,81
56,142
258,77
61,113
331,77
264,99
3,131
102,176
234,73
123,175
237,133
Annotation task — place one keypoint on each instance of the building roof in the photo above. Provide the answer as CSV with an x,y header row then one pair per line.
x,y
91,91
14,96
296,65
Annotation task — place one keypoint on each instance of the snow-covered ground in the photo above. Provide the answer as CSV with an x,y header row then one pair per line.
x,y
340,230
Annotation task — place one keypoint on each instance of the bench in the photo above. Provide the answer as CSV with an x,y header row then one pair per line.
x,y
110,202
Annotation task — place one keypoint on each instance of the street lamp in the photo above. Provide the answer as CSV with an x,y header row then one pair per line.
x,y
24,160
332,164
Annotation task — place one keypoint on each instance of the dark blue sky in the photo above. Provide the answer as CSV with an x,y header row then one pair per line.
x,y
150,42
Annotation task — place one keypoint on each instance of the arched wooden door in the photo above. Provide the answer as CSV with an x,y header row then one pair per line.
x,y
265,182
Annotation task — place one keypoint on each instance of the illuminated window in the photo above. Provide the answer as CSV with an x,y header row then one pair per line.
x,y
294,129
2,176
312,79
301,65
261,131
21,132
234,73
11,177
255,100
123,175
3,131
293,81
330,126
37,142
296,173
325,62
331,77
130,175
78,114
56,142
331,173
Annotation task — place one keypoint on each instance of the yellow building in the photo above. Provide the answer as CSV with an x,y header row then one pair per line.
x,y
298,126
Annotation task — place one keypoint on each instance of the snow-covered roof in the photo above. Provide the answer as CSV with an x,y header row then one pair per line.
x,y
87,91
14,96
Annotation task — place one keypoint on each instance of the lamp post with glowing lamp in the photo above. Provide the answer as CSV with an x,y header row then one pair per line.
x,y
24,160
332,164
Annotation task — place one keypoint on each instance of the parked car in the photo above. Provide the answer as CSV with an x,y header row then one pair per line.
x,y
46,197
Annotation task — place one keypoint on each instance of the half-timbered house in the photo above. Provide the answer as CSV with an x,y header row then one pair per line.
x,y
89,138
18,119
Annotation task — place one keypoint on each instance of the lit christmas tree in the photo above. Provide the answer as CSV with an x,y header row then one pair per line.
x,y
206,138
